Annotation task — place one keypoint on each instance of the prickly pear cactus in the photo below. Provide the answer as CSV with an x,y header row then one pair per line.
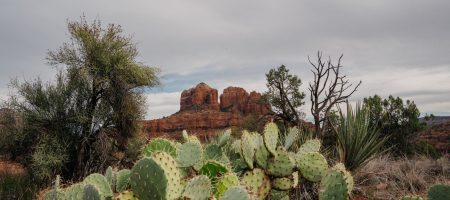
x,y
347,176
184,136
198,188
279,195
295,178
413,197
55,193
271,137
257,183
110,177
333,186
248,148
439,192
213,170
189,153
282,183
122,180
224,138
148,180
309,146
313,166
261,153
126,195
160,144
212,152
91,192
225,182
74,192
291,137
174,187
101,184
236,193
281,165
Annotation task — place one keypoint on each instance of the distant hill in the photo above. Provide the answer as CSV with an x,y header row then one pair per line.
x,y
437,132
436,120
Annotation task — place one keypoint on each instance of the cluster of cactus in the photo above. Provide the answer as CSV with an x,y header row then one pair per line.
x,y
256,166
436,192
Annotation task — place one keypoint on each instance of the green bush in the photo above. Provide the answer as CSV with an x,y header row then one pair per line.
x,y
424,148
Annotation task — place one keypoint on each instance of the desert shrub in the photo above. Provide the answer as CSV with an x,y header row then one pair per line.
x,y
423,148
17,187
357,141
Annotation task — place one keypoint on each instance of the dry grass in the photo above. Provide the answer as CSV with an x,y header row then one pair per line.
x,y
387,178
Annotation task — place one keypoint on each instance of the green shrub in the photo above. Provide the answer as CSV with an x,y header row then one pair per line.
x,y
424,148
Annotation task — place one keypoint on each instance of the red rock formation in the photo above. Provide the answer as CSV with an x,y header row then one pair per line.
x,y
199,98
201,114
438,135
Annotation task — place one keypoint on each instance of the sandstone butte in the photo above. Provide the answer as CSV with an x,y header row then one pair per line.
x,y
202,114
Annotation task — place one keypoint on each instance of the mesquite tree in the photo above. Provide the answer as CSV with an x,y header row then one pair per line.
x,y
328,89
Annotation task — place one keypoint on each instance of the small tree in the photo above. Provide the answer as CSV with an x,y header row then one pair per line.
x,y
284,95
395,118
328,89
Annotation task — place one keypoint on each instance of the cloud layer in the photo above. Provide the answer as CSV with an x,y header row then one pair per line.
x,y
394,47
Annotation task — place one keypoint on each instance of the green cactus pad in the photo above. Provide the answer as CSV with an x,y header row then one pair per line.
x,y
413,197
122,179
54,195
184,136
198,188
282,183
110,177
213,170
279,195
160,144
313,166
174,187
236,146
281,165
224,138
333,186
248,148
271,137
149,180
126,195
236,193
439,192
225,182
101,183
309,146
347,176
91,192
74,192
295,178
256,182
189,154
261,153
291,137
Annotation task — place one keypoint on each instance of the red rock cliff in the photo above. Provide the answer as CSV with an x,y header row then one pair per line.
x,y
200,112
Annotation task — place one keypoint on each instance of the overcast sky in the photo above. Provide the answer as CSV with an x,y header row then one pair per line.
x,y
397,47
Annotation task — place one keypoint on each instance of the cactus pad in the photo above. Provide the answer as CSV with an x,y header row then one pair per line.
x,y
313,166
333,186
213,169
189,153
295,178
101,184
122,179
281,165
225,182
291,137
347,176
224,138
198,188
282,183
439,192
279,195
309,146
236,193
257,183
172,173
149,180
271,137
91,192
74,192
248,148
160,144
110,177
261,153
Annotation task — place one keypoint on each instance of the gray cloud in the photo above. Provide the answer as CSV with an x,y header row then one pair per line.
x,y
394,47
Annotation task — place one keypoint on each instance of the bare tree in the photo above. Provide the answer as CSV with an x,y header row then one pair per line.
x,y
328,89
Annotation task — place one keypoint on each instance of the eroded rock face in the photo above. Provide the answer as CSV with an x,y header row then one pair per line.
x,y
201,114
200,97
438,135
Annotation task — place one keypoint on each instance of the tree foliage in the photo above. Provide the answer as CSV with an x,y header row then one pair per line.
x,y
284,94
395,118
93,106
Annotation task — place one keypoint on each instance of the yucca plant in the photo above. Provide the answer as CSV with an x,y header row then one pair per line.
x,y
357,141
